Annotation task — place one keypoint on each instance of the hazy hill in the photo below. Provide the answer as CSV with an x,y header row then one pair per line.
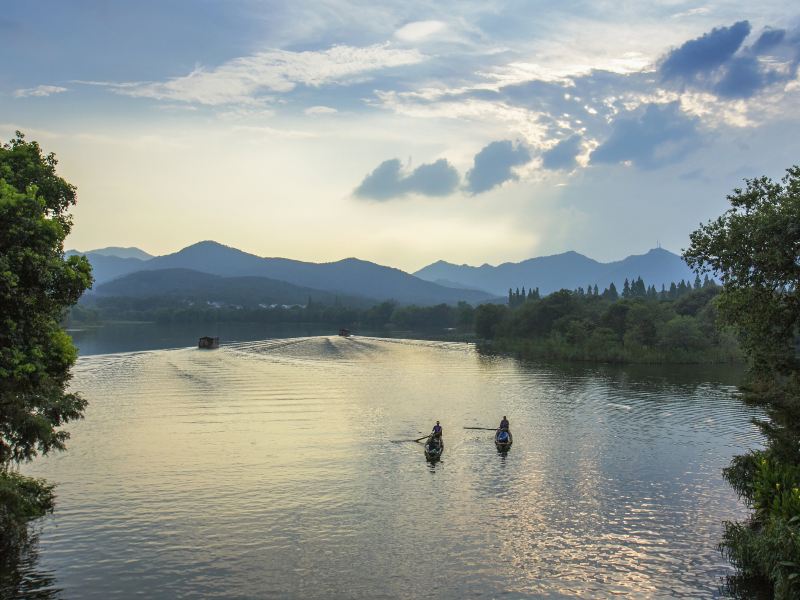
x,y
120,252
106,267
434,284
351,277
185,284
568,270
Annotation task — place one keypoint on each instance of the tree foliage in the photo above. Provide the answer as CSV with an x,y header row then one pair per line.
x,y
37,285
651,327
754,248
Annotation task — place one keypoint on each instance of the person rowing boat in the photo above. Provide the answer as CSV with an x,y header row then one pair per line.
x,y
435,444
502,437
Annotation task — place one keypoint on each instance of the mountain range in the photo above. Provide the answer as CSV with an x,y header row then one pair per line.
x,y
569,270
350,277
134,273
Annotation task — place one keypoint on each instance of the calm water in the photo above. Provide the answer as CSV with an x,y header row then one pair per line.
x,y
267,469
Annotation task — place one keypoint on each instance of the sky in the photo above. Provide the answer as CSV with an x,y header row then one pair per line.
x,y
403,133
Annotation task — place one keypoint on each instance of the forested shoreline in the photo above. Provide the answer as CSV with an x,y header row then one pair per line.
x,y
641,325
675,325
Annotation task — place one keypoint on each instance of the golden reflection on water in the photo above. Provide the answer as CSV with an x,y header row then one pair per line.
x,y
266,469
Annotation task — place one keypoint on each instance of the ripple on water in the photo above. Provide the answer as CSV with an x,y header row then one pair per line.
x,y
267,469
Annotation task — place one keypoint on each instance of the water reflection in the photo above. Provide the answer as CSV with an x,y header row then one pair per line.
x,y
267,469
21,575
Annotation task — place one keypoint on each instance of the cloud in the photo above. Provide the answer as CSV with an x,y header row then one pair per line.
x,y
493,165
717,62
320,110
692,12
563,154
742,78
247,79
704,54
388,180
40,91
768,39
656,136
419,30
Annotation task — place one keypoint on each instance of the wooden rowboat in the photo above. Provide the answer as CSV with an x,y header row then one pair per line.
x,y
503,445
434,447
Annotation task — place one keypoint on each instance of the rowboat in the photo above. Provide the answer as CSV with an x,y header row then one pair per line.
x,y
434,447
503,442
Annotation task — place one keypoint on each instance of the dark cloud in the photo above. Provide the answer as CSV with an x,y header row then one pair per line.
x,y
562,155
718,63
656,136
704,54
493,165
383,183
769,39
436,179
389,181
742,77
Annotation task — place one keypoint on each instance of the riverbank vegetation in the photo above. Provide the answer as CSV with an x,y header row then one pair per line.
x,y
755,250
37,284
678,324
386,315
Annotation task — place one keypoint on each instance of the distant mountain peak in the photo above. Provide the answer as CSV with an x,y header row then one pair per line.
x,y
117,251
568,270
205,244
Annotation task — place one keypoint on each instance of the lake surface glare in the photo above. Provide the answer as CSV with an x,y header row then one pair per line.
x,y
268,469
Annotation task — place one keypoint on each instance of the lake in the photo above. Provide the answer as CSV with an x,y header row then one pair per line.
x,y
273,469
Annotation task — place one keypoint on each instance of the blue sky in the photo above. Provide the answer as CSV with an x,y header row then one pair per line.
x,y
407,132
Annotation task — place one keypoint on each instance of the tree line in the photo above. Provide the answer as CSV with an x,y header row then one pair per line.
x,y
388,314
633,288
676,324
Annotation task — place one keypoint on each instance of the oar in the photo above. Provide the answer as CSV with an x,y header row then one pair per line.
x,y
483,428
416,440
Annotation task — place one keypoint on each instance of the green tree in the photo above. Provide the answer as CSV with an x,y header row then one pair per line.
x,y
465,315
638,289
673,291
682,333
488,318
640,324
611,293
380,314
37,286
753,249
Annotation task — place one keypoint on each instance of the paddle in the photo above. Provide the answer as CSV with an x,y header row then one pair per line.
x,y
483,428
416,440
